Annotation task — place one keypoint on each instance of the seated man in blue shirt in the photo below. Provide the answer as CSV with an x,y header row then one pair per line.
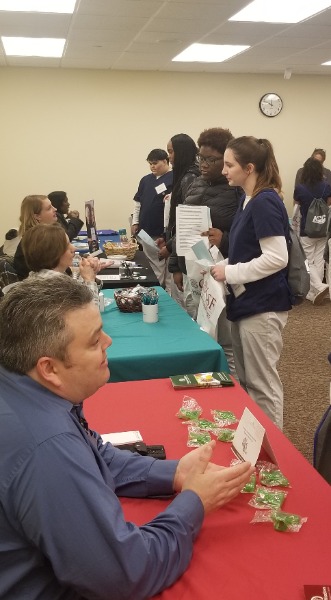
x,y
62,529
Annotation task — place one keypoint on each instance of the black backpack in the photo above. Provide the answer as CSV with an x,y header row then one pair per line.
x,y
298,278
317,218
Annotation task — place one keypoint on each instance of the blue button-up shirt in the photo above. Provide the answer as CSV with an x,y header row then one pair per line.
x,y
62,530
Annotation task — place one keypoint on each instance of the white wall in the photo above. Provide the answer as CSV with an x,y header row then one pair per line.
x,y
89,132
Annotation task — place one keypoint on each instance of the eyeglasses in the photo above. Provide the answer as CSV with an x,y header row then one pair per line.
x,y
209,160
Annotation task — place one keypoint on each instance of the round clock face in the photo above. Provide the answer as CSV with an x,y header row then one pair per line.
x,y
271,104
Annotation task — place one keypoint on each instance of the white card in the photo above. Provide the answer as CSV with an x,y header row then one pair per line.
x,y
143,236
122,437
109,277
248,438
161,188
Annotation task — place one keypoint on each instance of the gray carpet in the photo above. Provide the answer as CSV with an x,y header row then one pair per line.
x,y
305,372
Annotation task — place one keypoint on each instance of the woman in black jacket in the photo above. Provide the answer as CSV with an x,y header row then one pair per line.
x,y
182,152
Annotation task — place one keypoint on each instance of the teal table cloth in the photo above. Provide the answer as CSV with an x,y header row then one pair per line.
x,y
174,345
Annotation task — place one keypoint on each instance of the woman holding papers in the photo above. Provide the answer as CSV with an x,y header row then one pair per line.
x,y
255,271
182,152
210,190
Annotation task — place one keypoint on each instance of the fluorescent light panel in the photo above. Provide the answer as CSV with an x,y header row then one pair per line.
x,y
282,11
44,6
46,47
326,64
210,53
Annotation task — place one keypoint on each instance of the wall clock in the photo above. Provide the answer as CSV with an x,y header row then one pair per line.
x,y
271,104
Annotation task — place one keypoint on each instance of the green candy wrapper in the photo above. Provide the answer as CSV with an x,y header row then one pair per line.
x,y
207,425
188,415
267,498
282,521
273,477
224,417
190,409
197,437
250,485
225,435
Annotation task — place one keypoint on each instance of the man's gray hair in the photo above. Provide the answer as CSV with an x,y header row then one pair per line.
x,y
32,320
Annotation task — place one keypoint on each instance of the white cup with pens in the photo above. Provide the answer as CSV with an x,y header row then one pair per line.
x,y
150,307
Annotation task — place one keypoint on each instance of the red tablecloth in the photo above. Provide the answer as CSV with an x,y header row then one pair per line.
x,y
233,559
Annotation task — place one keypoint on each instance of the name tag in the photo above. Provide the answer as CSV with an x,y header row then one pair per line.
x,y
238,289
161,188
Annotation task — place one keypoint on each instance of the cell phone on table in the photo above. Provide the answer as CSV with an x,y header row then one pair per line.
x,y
141,448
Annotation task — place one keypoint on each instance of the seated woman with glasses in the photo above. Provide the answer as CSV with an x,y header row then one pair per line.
x,y
48,251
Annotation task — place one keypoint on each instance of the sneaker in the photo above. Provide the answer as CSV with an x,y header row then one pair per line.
x,y
310,296
320,296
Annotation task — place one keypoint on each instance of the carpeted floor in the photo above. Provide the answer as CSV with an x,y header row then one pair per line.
x,y
305,372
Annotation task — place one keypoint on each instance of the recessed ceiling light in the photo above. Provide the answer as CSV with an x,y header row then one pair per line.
x,y
44,6
281,11
21,46
208,53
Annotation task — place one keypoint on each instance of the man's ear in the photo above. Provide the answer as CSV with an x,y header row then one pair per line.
x,y
48,370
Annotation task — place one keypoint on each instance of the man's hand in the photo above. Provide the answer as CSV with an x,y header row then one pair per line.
x,y
214,236
214,485
134,229
178,279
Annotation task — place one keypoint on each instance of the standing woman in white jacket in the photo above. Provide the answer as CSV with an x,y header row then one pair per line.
x,y
256,271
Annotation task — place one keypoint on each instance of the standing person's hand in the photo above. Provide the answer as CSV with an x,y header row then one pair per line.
x,y
134,229
160,242
218,272
215,485
164,252
214,236
73,214
178,279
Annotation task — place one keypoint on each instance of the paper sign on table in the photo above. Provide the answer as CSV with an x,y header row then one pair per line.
x,y
122,437
109,277
250,436
191,222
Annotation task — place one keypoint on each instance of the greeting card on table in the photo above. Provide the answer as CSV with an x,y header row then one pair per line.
x,y
249,438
